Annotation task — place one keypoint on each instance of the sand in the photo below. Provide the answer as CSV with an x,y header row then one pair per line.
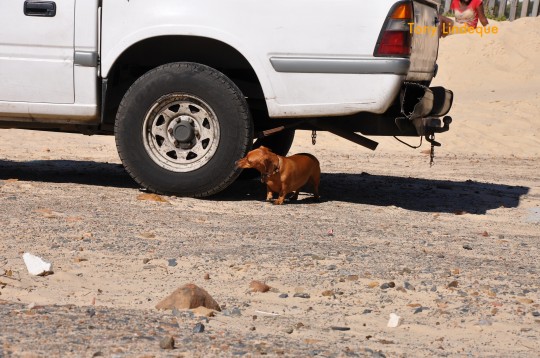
x,y
460,240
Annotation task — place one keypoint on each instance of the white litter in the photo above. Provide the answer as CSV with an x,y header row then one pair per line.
x,y
394,321
36,265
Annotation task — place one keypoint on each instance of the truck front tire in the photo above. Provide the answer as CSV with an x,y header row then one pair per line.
x,y
181,127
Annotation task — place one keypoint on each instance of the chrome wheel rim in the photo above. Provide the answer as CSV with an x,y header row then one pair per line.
x,y
181,132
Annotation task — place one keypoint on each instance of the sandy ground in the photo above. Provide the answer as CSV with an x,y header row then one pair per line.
x,y
456,244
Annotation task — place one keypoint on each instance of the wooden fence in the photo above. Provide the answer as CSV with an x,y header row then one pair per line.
x,y
510,9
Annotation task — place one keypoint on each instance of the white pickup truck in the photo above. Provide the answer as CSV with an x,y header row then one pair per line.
x,y
187,86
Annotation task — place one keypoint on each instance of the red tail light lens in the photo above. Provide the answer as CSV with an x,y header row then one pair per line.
x,y
395,43
396,37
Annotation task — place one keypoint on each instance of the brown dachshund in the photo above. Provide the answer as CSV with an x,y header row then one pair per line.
x,y
283,175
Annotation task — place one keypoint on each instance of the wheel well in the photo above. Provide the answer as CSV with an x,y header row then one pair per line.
x,y
150,53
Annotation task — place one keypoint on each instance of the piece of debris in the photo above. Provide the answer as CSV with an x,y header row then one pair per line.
x,y
258,286
394,321
36,265
187,297
206,276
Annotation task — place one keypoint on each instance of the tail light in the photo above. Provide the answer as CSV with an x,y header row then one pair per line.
x,y
396,35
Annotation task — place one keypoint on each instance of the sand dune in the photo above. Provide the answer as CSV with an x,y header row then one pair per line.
x,y
496,82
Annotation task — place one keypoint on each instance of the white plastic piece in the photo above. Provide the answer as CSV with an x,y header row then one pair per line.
x,y
36,265
394,321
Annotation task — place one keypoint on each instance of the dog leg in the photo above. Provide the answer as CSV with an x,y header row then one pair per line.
x,y
294,197
269,194
281,198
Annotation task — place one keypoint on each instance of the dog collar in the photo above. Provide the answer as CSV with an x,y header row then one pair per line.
x,y
264,177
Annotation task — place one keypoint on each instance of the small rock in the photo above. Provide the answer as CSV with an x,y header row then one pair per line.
x,y
302,295
206,276
408,286
433,288
203,311
283,295
388,285
453,284
467,247
172,262
367,311
258,286
536,314
394,321
199,328
145,261
327,293
418,310
167,343
331,267
234,312
91,312
352,278
337,328
484,322
289,330
152,197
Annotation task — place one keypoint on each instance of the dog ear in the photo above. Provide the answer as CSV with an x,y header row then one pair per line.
x,y
265,149
243,163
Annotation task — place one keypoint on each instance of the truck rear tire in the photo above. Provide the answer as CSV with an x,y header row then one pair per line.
x,y
181,127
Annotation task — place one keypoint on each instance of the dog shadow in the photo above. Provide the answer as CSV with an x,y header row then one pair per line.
x,y
417,194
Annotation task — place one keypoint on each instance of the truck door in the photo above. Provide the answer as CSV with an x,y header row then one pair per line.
x,y
37,51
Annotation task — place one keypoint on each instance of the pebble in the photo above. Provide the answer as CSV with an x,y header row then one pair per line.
x,y
289,330
172,262
536,314
484,322
167,343
91,312
394,321
283,295
467,247
302,295
258,286
337,328
367,311
408,286
388,285
234,312
199,328
145,261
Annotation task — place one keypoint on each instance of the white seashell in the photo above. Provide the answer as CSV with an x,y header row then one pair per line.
x,y
394,321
